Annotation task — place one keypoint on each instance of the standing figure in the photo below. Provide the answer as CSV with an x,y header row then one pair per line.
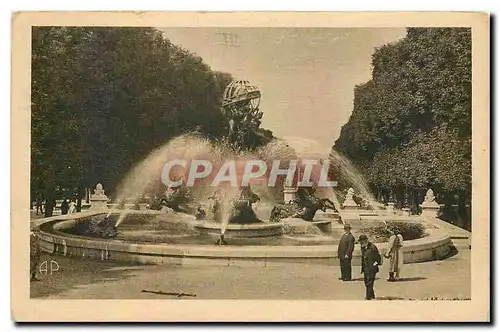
x,y
401,260
395,255
370,260
72,207
39,204
64,206
34,256
345,249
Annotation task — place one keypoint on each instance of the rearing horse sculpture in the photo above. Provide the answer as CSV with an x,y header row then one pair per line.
x,y
305,207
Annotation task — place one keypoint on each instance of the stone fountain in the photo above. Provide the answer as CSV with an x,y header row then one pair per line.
x,y
179,231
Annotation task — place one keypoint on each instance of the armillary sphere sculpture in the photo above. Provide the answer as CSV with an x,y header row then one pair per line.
x,y
240,105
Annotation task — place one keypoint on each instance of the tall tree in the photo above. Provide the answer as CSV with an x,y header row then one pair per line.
x,y
411,123
103,98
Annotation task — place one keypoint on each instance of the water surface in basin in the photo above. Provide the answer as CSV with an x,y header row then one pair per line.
x,y
179,228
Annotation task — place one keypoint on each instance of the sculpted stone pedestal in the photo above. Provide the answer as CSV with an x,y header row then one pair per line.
x,y
430,207
98,201
349,203
289,194
390,208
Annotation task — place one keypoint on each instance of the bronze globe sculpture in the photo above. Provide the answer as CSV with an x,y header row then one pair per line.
x,y
240,94
240,105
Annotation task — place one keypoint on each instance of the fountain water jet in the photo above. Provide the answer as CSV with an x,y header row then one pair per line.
x,y
146,174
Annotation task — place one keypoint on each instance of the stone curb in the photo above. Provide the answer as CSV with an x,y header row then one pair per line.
x,y
436,245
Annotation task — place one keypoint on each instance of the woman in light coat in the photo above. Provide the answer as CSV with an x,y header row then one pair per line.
x,y
72,207
395,255
400,256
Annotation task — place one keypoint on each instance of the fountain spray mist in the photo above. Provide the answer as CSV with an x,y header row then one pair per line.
x,y
147,173
310,149
349,172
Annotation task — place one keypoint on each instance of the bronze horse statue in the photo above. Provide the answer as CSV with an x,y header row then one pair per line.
x,y
241,211
301,208
180,200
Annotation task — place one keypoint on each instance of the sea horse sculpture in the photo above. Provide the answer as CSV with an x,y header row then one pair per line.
x,y
304,206
179,199
242,211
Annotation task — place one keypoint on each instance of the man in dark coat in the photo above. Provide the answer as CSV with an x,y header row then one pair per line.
x,y
370,260
64,206
345,249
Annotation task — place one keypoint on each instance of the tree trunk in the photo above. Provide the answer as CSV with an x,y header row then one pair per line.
x,y
464,217
81,193
50,202
399,196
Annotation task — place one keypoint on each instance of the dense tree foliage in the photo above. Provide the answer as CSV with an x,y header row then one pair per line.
x,y
411,123
103,98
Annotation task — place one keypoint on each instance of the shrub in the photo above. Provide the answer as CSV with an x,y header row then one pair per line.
x,y
381,233
409,230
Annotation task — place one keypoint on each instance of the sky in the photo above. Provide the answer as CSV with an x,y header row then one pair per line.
x,y
306,75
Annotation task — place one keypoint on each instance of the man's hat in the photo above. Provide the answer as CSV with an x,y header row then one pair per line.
x,y
362,238
347,226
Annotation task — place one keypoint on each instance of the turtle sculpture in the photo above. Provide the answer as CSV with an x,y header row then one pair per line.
x,y
101,225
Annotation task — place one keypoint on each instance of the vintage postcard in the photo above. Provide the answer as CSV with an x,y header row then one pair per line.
x,y
271,166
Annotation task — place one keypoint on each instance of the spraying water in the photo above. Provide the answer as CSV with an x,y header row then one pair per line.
x,y
146,175
349,172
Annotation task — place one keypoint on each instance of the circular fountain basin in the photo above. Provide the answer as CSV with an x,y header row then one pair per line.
x,y
54,238
244,231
